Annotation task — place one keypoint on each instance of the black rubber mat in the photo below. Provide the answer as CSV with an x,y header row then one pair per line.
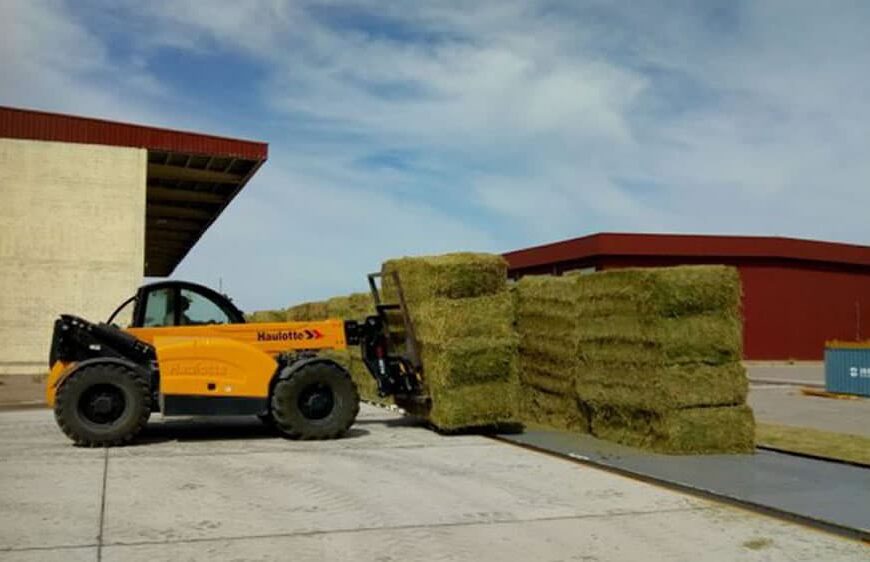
x,y
830,495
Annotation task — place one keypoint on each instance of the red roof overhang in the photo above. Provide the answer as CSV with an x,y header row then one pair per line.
x,y
191,177
689,246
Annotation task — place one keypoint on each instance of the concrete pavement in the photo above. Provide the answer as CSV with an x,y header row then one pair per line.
x,y
808,373
390,491
786,405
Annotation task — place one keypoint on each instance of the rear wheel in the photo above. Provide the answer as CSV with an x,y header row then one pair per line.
x,y
318,401
103,404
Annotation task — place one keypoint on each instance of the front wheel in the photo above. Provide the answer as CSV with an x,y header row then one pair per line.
x,y
318,401
103,404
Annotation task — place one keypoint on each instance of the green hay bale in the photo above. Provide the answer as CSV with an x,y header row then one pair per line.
x,y
297,313
663,388
441,319
686,431
266,316
542,408
471,406
356,306
308,312
543,381
537,324
546,289
707,338
545,365
554,351
318,310
469,361
667,291
452,276
463,315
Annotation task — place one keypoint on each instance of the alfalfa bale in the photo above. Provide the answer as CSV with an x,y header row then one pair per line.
x,y
661,388
729,429
705,338
356,306
469,361
542,408
441,319
453,276
307,312
668,291
534,376
463,315
474,406
265,316
297,313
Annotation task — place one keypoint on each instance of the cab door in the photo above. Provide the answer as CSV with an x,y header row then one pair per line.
x,y
177,303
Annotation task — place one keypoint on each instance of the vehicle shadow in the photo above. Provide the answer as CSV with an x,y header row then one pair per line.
x,y
405,421
216,429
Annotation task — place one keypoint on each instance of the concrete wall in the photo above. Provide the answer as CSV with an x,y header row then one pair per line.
x,y
72,239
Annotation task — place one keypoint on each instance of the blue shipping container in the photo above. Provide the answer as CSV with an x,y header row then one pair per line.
x,y
847,369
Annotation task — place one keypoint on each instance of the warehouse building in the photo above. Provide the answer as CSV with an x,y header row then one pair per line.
x,y
88,207
797,294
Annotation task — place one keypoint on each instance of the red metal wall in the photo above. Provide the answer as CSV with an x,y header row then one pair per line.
x,y
790,308
791,311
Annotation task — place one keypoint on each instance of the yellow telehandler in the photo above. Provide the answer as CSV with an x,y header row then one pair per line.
x,y
189,352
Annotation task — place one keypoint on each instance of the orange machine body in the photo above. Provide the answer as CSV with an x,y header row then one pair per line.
x,y
224,361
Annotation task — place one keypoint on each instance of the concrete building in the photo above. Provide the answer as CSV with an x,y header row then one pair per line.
x,y
797,294
88,207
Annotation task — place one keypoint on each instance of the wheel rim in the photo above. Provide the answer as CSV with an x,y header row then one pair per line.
x,y
102,404
316,401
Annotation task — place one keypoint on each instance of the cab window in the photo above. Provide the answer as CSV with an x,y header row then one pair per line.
x,y
158,308
197,309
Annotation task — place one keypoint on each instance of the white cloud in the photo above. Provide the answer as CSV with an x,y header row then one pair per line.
x,y
515,122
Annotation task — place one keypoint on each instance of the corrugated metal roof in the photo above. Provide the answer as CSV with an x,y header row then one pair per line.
x,y
623,244
191,177
19,123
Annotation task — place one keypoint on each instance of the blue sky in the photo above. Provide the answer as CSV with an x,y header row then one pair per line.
x,y
401,128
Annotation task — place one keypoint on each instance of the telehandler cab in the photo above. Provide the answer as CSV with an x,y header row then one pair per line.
x,y
189,352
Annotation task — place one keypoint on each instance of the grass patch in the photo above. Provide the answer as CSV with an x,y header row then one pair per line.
x,y
842,446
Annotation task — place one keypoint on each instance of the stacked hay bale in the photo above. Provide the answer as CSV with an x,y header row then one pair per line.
x,y
660,353
265,316
653,356
546,323
355,306
307,312
463,315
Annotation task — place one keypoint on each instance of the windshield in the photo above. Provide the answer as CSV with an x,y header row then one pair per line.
x,y
123,315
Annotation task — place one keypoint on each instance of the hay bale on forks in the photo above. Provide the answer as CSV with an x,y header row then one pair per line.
x,y
464,318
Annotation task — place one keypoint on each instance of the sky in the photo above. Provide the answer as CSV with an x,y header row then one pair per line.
x,y
407,128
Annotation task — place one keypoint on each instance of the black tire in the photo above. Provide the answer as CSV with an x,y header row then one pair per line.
x,y
103,405
267,419
319,401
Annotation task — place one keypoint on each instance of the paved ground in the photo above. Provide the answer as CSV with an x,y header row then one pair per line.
x,y
807,373
786,405
390,491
